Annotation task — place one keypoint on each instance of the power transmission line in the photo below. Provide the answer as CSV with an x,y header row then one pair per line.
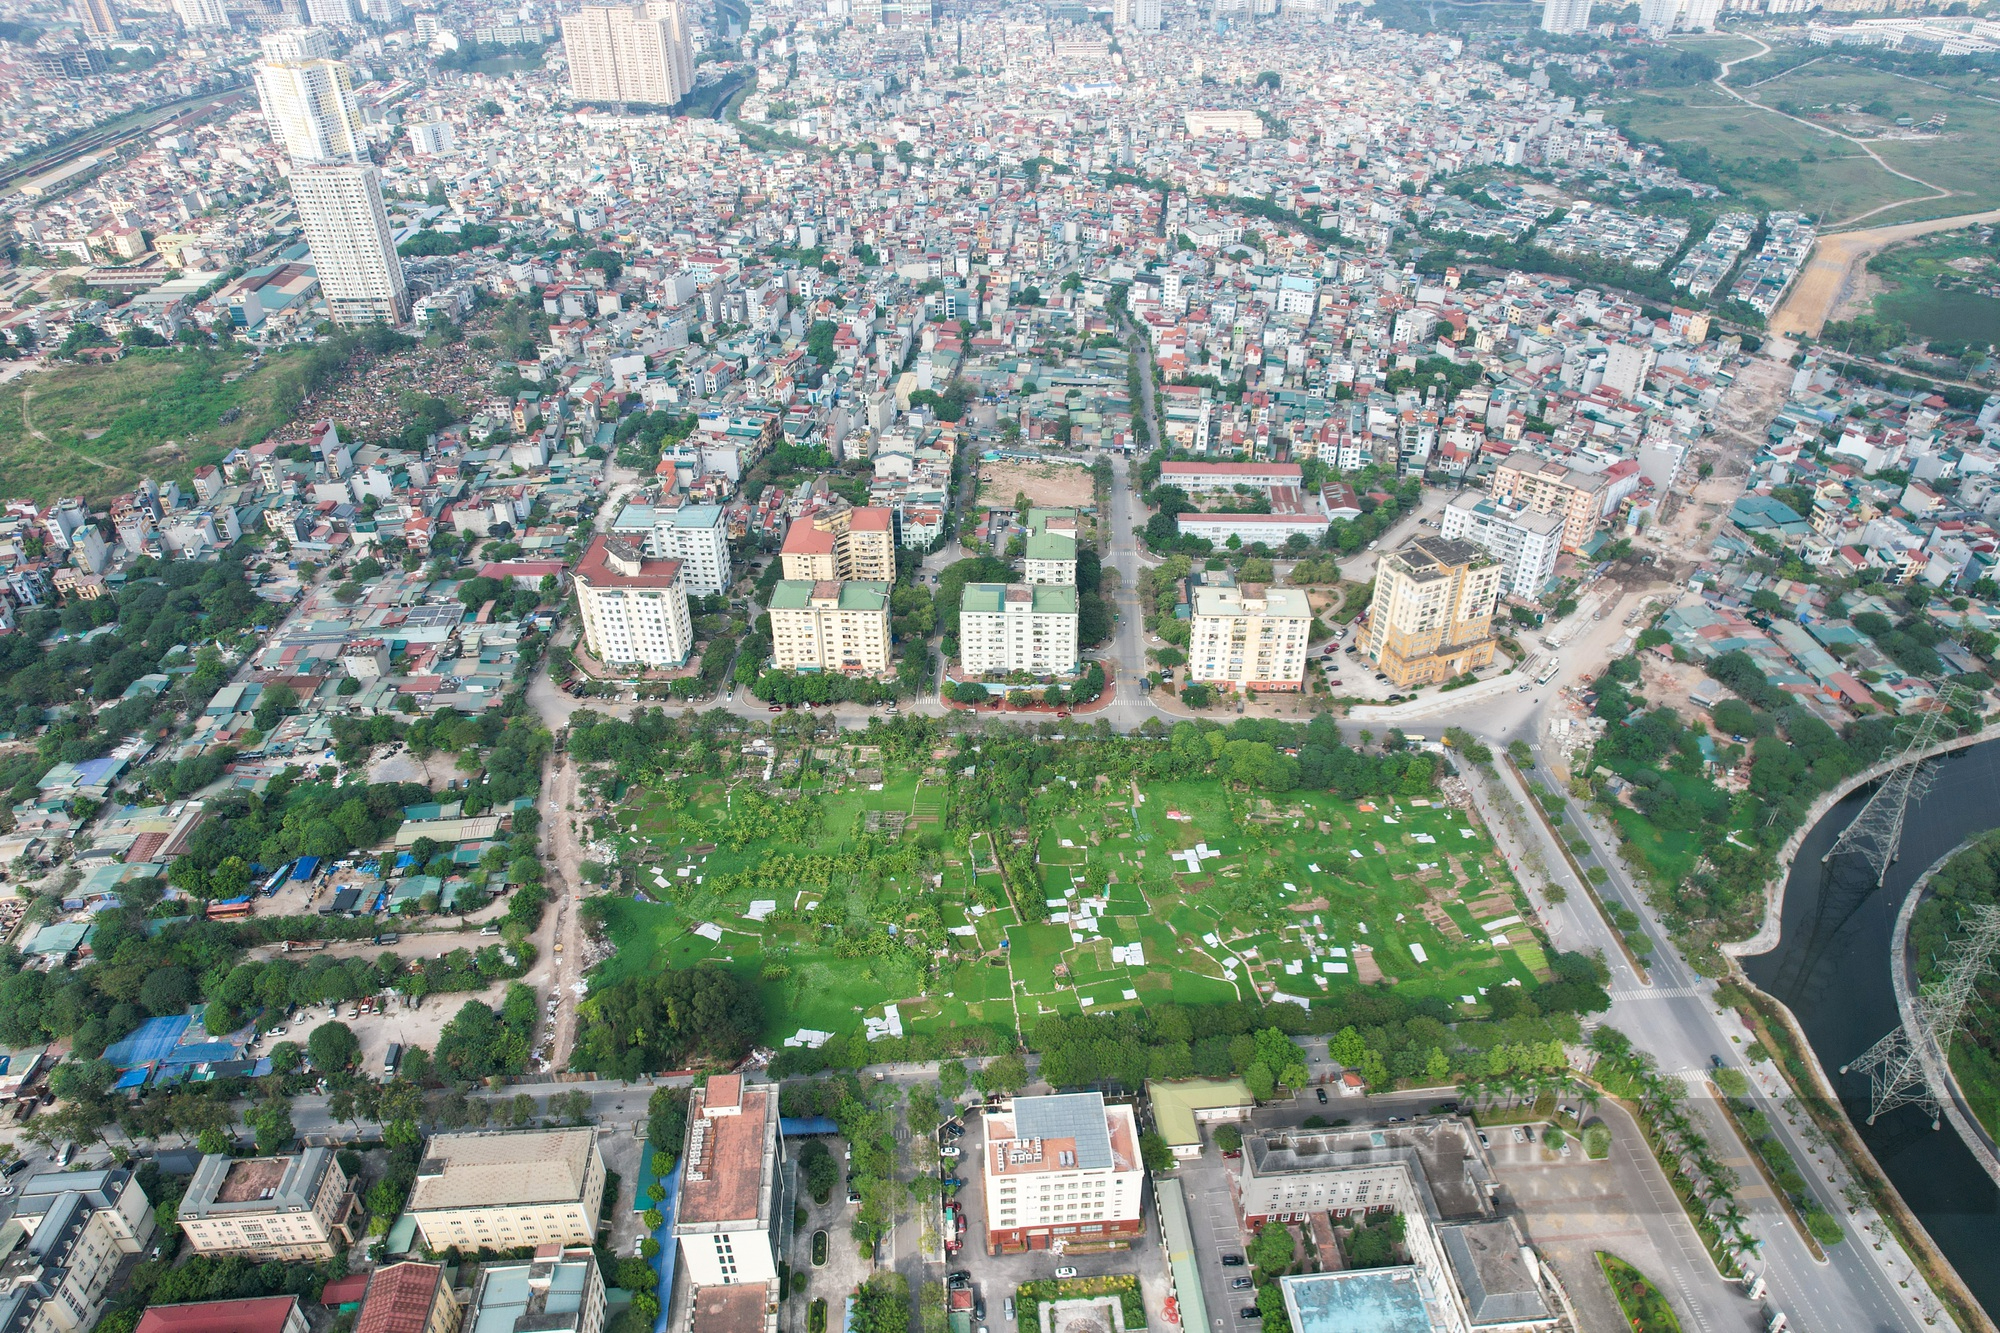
x,y
1897,1065
1876,835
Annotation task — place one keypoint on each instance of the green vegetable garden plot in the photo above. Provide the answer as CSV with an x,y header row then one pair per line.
x,y
1238,896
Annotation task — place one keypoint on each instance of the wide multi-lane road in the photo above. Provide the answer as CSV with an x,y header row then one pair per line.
x,y
1671,1012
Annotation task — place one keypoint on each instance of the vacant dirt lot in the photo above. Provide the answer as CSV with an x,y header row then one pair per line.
x,y
1048,484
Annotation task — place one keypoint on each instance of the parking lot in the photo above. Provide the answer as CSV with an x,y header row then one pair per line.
x,y
1212,1219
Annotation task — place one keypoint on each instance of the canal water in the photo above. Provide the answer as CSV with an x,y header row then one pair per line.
x,y
1831,967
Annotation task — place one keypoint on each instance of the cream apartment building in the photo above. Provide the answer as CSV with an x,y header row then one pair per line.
x,y
1250,638
635,610
1010,627
1432,617
830,626
1525,481
844,543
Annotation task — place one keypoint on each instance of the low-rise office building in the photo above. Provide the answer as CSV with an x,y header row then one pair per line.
x,y
58,1253
558,1291
258,1314
408,1298
300,1206
504,1190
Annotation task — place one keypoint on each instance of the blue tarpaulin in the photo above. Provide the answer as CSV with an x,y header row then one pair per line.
x,y
150,1041
305,867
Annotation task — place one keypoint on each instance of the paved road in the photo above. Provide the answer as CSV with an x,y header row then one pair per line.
x,y
1671,1013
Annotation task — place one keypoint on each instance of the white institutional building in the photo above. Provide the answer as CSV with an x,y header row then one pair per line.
x,y
635,610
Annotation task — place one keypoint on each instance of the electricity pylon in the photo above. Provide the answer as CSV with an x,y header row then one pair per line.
x,y
1876,835
1896,1065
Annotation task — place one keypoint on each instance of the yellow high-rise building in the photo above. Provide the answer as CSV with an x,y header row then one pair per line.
x,y
1432,617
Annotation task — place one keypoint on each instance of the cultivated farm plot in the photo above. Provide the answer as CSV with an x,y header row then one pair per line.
x,y
1191,894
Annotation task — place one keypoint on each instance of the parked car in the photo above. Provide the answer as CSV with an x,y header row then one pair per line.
x,y
1250,1312
1010,1309
949,1150
1232,1261
1065,1272
1520,1134
1321,1093
1239,1284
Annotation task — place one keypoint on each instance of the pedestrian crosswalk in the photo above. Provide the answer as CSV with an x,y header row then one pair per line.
x,y
1659,993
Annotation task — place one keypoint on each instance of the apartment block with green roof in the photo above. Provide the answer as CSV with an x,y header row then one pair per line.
x,y
1007,627
830,625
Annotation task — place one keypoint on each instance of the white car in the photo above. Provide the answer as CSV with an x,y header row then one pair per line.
x,y
1065,1272
949,1150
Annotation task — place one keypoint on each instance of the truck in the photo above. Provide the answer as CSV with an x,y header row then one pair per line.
x,y
301,946
1548,671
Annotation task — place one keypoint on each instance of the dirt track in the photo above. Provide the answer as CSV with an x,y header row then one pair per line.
x,y
1837,258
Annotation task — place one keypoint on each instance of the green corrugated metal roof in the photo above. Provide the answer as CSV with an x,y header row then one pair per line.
x,y
855,595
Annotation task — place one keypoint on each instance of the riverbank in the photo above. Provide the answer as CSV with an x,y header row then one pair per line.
x,y
1768,933
1936,1063
1822,992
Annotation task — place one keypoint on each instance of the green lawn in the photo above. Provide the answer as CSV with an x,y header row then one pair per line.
x,y
1280,907
1716,46
157,414
1756,151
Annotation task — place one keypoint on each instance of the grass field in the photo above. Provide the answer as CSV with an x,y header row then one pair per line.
x,y
1942,287
1716,46
1295,899
1749,148
95,430
1837,181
